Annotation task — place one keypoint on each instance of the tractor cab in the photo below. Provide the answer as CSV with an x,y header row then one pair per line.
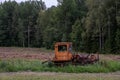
x,y
63,52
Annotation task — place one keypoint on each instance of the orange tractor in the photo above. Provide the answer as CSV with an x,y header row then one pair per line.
x,y
64,55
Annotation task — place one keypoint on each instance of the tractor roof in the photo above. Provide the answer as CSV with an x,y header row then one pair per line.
x,y
63,43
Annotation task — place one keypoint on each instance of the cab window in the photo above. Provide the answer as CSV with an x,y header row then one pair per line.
x,y
62,48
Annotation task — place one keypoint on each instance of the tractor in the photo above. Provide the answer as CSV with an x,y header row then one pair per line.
x,y
64,55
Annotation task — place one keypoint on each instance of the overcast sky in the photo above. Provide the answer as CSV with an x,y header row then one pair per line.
x,y
48,3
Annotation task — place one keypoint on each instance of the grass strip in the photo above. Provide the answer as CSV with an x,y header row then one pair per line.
x,y
15,65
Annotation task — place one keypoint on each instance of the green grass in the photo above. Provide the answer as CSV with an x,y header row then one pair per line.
x,y
15,65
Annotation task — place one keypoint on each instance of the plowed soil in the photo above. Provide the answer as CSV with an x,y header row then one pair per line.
x,y
38,53
25,53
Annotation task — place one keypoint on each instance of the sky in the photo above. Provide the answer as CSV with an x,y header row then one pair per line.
x,y
48,3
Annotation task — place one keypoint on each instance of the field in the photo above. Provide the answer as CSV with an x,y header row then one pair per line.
x,y
25,64
25,53
39,54
58,76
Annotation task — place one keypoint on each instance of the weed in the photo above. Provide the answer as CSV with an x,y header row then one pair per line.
x,y
15,65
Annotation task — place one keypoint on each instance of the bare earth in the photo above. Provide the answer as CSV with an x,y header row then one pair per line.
x,y
25,53
38,53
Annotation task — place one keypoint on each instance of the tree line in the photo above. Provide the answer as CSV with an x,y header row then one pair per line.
x,y
91,25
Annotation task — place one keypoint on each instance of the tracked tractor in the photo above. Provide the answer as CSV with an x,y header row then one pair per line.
x,y
64,55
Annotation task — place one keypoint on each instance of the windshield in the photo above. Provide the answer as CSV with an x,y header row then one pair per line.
x,y
62,48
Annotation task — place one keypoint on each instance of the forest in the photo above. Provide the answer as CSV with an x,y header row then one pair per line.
x,y
91,25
